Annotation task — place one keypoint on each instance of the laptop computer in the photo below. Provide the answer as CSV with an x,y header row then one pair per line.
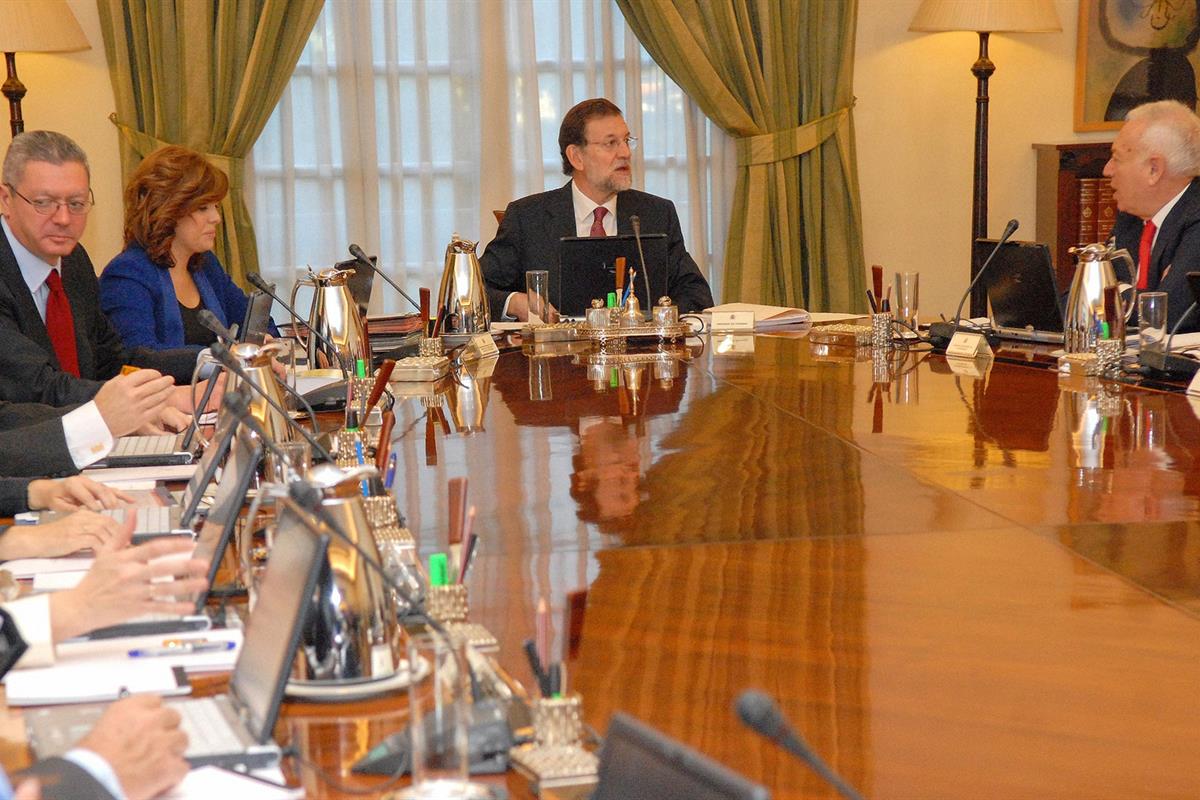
x,y
258,317
639,763
231,730
173,519
587,270
211,542
1022,291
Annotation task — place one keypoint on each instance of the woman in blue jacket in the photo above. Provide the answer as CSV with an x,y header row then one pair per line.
x,y
155,288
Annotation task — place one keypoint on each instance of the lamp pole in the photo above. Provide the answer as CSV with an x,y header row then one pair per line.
x,y
982,69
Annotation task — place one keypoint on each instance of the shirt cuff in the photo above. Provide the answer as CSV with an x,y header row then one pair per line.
x,y
32,617
94,764
88,437
504,315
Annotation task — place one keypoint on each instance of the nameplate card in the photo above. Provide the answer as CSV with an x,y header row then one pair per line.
x,y
733,321
482,345
968,345
729,344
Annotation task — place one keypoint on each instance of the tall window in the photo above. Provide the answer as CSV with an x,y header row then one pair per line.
x,y
407,121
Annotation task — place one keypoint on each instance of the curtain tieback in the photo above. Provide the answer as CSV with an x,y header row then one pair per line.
x,y
781,145
145,144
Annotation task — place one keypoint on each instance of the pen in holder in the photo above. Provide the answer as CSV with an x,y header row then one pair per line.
x,y
1108,355
881,330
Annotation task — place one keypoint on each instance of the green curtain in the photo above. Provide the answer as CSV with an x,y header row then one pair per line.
x,y
205,74
776,74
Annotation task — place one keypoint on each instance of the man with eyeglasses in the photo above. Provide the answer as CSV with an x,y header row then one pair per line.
x,y
596,150
57,346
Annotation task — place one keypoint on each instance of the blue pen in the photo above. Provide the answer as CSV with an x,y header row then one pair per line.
x,y
358,452
182,648
390,475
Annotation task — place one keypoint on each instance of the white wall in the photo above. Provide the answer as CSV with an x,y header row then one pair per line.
x,y
915,123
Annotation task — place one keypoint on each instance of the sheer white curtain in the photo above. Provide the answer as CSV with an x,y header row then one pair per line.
x,y
407,121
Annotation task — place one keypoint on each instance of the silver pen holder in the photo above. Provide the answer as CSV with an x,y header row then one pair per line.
x,y
881,330
348,442
430,347
447,603
558,721
1108,355
386,525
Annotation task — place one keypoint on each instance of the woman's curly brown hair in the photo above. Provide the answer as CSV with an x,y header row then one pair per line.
x,y
169,184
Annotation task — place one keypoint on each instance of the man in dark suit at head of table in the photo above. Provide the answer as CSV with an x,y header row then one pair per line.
x,y
597,153
57,345
1154,167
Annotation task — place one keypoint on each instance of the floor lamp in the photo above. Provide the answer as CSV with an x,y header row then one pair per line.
x,y
984,17
34,26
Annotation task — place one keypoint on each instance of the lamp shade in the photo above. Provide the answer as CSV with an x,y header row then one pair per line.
x,y
39,26
992,16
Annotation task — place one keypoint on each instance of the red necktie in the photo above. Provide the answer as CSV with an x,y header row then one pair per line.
x,y
1144,251
598,222
60,325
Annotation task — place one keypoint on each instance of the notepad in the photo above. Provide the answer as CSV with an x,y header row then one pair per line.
x,y
109,475
93,682
766,317
25,568
204,783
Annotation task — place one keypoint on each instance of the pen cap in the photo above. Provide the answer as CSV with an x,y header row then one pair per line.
x,y
439,572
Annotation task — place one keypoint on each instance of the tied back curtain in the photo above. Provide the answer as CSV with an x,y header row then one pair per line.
x,y
205,74
777,74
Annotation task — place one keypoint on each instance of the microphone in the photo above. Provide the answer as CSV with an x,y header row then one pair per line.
x,y
209,320
230,363
940,333
760,713
257,281
637,237
361,258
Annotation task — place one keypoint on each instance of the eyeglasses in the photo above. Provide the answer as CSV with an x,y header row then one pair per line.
x,y
47,206
608,145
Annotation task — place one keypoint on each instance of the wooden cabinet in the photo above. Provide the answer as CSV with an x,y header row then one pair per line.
x,y
1062,174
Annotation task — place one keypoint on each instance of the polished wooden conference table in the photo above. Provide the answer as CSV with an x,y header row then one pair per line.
x,y
960,580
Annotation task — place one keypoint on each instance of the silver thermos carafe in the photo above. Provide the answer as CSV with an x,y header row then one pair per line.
x,y
1085,304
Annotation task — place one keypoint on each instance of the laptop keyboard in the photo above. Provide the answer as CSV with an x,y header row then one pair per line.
x,y
150,519
160,445
207,726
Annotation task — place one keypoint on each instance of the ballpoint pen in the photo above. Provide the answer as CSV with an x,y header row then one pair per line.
x,y
182,648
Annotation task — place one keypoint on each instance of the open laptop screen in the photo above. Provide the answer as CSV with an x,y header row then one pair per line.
x,y
273,630
227,503
1021,286
587,269
639,763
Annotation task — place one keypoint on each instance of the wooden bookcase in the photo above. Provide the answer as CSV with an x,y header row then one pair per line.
x,y
1059,170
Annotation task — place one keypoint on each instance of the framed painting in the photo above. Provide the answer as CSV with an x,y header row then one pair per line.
x,y
1132,52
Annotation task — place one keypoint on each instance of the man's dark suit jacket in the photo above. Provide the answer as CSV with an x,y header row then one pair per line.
x,y
1176,252
29,368
32,441
528,238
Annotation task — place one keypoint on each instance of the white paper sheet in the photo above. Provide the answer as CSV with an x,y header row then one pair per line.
x,y
91,681
31,567
205,783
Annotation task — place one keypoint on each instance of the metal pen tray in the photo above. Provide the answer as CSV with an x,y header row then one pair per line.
x,y
669,332
420,368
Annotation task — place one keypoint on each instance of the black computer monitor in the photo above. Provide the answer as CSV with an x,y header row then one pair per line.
x,y
587,269
639,763
1022,288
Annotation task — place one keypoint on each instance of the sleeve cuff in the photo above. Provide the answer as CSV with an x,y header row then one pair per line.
x,y
95,765
32,617
504,315
88,437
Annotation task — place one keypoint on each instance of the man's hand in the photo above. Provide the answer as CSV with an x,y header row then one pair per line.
x,y
518,306
121,585
181,398
80,531
127,402
28,789
172,419
69,494
140,739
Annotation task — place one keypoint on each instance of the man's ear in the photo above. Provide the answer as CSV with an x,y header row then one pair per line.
x,y
1156,168
575,156
6,198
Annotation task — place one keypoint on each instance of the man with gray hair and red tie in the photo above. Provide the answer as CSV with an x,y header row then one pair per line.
x,y
1153,168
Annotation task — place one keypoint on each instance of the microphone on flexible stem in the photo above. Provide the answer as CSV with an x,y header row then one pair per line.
x,y
637,237
257,281
209,320
760,713
230,363
361,258
940,333
1164,361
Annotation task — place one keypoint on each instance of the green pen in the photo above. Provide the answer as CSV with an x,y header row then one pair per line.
x,y
361,367
612,300
439,570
